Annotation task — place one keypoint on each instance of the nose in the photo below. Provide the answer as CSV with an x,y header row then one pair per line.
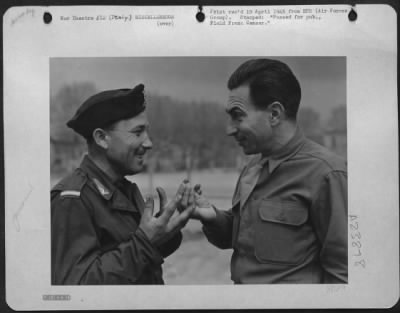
x,y
147,144
231,130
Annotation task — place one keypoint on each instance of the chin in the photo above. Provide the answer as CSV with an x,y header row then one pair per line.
x,y
249,152
132,170
137,170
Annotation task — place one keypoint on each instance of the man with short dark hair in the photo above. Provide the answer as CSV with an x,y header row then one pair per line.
x,y
102,231
288,222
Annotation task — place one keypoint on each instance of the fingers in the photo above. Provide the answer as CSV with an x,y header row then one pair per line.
x,y
198,199
163,198
191,204
197,188
180,220
179,195
171,206
185,198
149,207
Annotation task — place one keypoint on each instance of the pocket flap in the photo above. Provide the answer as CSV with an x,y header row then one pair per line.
x,y
284,212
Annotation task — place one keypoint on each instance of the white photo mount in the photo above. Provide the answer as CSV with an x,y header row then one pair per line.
x,y
370,47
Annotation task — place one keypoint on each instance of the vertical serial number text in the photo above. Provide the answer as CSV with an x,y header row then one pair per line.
x,y
355,239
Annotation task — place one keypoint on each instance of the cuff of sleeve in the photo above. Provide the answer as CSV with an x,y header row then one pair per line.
x,y
151,253
171,246
214,224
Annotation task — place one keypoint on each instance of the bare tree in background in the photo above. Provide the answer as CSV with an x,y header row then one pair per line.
x,y
66,146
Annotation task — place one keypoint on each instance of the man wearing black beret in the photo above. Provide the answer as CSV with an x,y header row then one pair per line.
x,y
102,230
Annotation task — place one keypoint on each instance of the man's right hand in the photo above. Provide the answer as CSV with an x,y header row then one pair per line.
x,y
163,227
204,210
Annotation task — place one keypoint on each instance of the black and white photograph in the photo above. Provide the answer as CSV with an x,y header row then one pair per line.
x,y
241,159
201,157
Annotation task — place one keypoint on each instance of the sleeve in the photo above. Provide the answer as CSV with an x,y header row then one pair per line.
x,y
329,215
171,246
76,254
219,231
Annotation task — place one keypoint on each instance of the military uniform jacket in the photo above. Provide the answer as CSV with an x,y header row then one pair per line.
x,y
95,237
288,224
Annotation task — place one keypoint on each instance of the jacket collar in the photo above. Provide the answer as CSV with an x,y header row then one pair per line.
x,y
100,179
108,190
249,177
287,151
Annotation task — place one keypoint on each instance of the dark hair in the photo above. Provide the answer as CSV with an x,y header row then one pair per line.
x,y
90,139
268,81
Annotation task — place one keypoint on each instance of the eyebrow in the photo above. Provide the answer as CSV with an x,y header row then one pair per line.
x,y
234,108
139,127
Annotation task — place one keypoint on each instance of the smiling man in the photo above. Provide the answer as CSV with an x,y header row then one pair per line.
x,y
288,221
102,231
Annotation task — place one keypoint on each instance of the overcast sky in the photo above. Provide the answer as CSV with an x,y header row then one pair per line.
x,y
323,79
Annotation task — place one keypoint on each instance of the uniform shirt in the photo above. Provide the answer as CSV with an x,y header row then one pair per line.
x,y
95,237
288,225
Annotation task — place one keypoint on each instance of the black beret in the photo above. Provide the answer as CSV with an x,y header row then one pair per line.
x,y
106,108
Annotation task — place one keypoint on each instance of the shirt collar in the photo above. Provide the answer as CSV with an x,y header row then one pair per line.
x,y
285,152
102,181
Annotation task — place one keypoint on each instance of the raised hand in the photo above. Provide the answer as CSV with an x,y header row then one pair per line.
x,y
165,225
204,210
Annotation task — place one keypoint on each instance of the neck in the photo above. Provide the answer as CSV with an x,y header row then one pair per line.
x,y
102,163
282,134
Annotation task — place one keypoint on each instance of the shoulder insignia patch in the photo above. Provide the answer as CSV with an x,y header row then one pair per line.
x,y
103,190
70,193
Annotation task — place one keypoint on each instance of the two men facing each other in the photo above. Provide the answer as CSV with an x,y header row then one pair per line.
x,y
288,221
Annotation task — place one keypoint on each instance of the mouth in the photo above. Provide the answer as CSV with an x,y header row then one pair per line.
x,y
241,141
140,156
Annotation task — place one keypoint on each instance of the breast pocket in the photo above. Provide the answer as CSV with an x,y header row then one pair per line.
x,y
280,233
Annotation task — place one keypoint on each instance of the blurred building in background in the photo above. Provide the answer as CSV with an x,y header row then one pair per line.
x,y
186,136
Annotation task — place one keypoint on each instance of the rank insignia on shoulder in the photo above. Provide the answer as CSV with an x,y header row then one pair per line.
x,y
103,190
70,193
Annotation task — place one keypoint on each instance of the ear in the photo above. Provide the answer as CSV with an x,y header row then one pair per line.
x,y
100,137
276,113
